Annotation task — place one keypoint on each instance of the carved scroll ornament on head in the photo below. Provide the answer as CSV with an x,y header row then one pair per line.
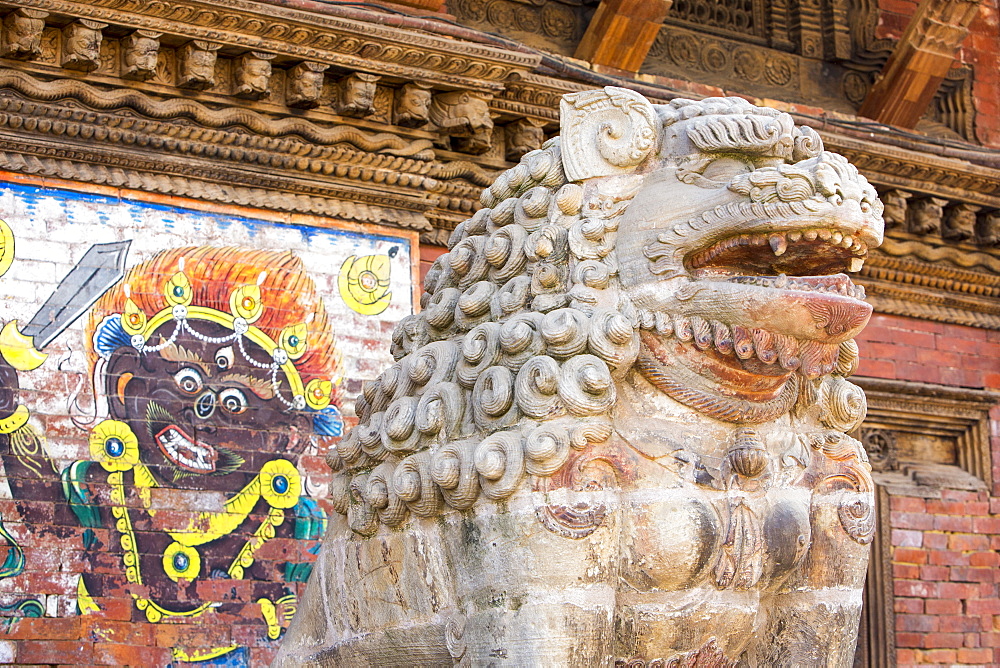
x,y
606,132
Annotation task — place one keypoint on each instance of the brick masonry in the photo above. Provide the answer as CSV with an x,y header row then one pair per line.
x,y
945,559
172,515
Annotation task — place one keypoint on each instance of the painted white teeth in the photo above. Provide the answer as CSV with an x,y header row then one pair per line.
x,y
778,244
810,235
854,264
795,236
837,237
825,235
782,281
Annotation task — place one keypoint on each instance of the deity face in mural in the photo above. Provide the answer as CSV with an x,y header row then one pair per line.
x,y
213,378
205,408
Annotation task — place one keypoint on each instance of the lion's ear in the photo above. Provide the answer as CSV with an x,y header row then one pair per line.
x,y
606,132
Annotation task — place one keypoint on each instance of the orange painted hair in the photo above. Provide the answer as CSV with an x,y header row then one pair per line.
x,y
288,294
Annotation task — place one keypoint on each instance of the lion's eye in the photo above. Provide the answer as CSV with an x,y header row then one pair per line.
x,y
189,380
725,169
233,400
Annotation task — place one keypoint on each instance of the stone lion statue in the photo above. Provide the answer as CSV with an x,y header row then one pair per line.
x,y
617,432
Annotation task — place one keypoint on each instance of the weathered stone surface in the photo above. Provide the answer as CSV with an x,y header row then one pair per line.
x,y
617,432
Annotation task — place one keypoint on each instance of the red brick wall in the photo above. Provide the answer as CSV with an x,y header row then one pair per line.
x,y
945,563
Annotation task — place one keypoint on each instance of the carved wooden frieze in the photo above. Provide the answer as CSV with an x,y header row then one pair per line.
x,y
21,34
304,85
81,45
442,116
351,44
140,55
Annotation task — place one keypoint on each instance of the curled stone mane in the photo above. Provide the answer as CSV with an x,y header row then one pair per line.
x,y
510,364
526,326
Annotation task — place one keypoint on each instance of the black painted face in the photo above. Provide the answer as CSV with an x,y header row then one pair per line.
x,y
205,417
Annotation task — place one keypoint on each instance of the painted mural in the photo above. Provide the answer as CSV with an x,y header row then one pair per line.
x,y
169,381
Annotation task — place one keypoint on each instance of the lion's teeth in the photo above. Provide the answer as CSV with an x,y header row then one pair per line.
x,y
702,332
854,264
722,337
837,237
794,236
763,344
682,329
810,235
781,282
847,241
825,235
742,342
778,244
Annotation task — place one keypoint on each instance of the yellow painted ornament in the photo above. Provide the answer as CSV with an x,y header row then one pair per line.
x,y
364,283
178,290
318,393
293,340
181,561
18,349
133,318
14,421
280,483
245,302
114,446
6,247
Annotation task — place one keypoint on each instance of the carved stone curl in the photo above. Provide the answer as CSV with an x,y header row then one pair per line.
x,y
622,409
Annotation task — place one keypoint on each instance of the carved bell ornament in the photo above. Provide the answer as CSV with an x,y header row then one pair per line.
x,y
623,406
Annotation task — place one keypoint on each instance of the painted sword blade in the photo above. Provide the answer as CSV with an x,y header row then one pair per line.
x,y
101,267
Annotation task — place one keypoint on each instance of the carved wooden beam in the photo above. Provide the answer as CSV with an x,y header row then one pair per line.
x,y
919,62
622,32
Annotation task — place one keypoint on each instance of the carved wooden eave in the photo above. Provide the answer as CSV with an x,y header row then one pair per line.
x,y
346,43
958,415
145,127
